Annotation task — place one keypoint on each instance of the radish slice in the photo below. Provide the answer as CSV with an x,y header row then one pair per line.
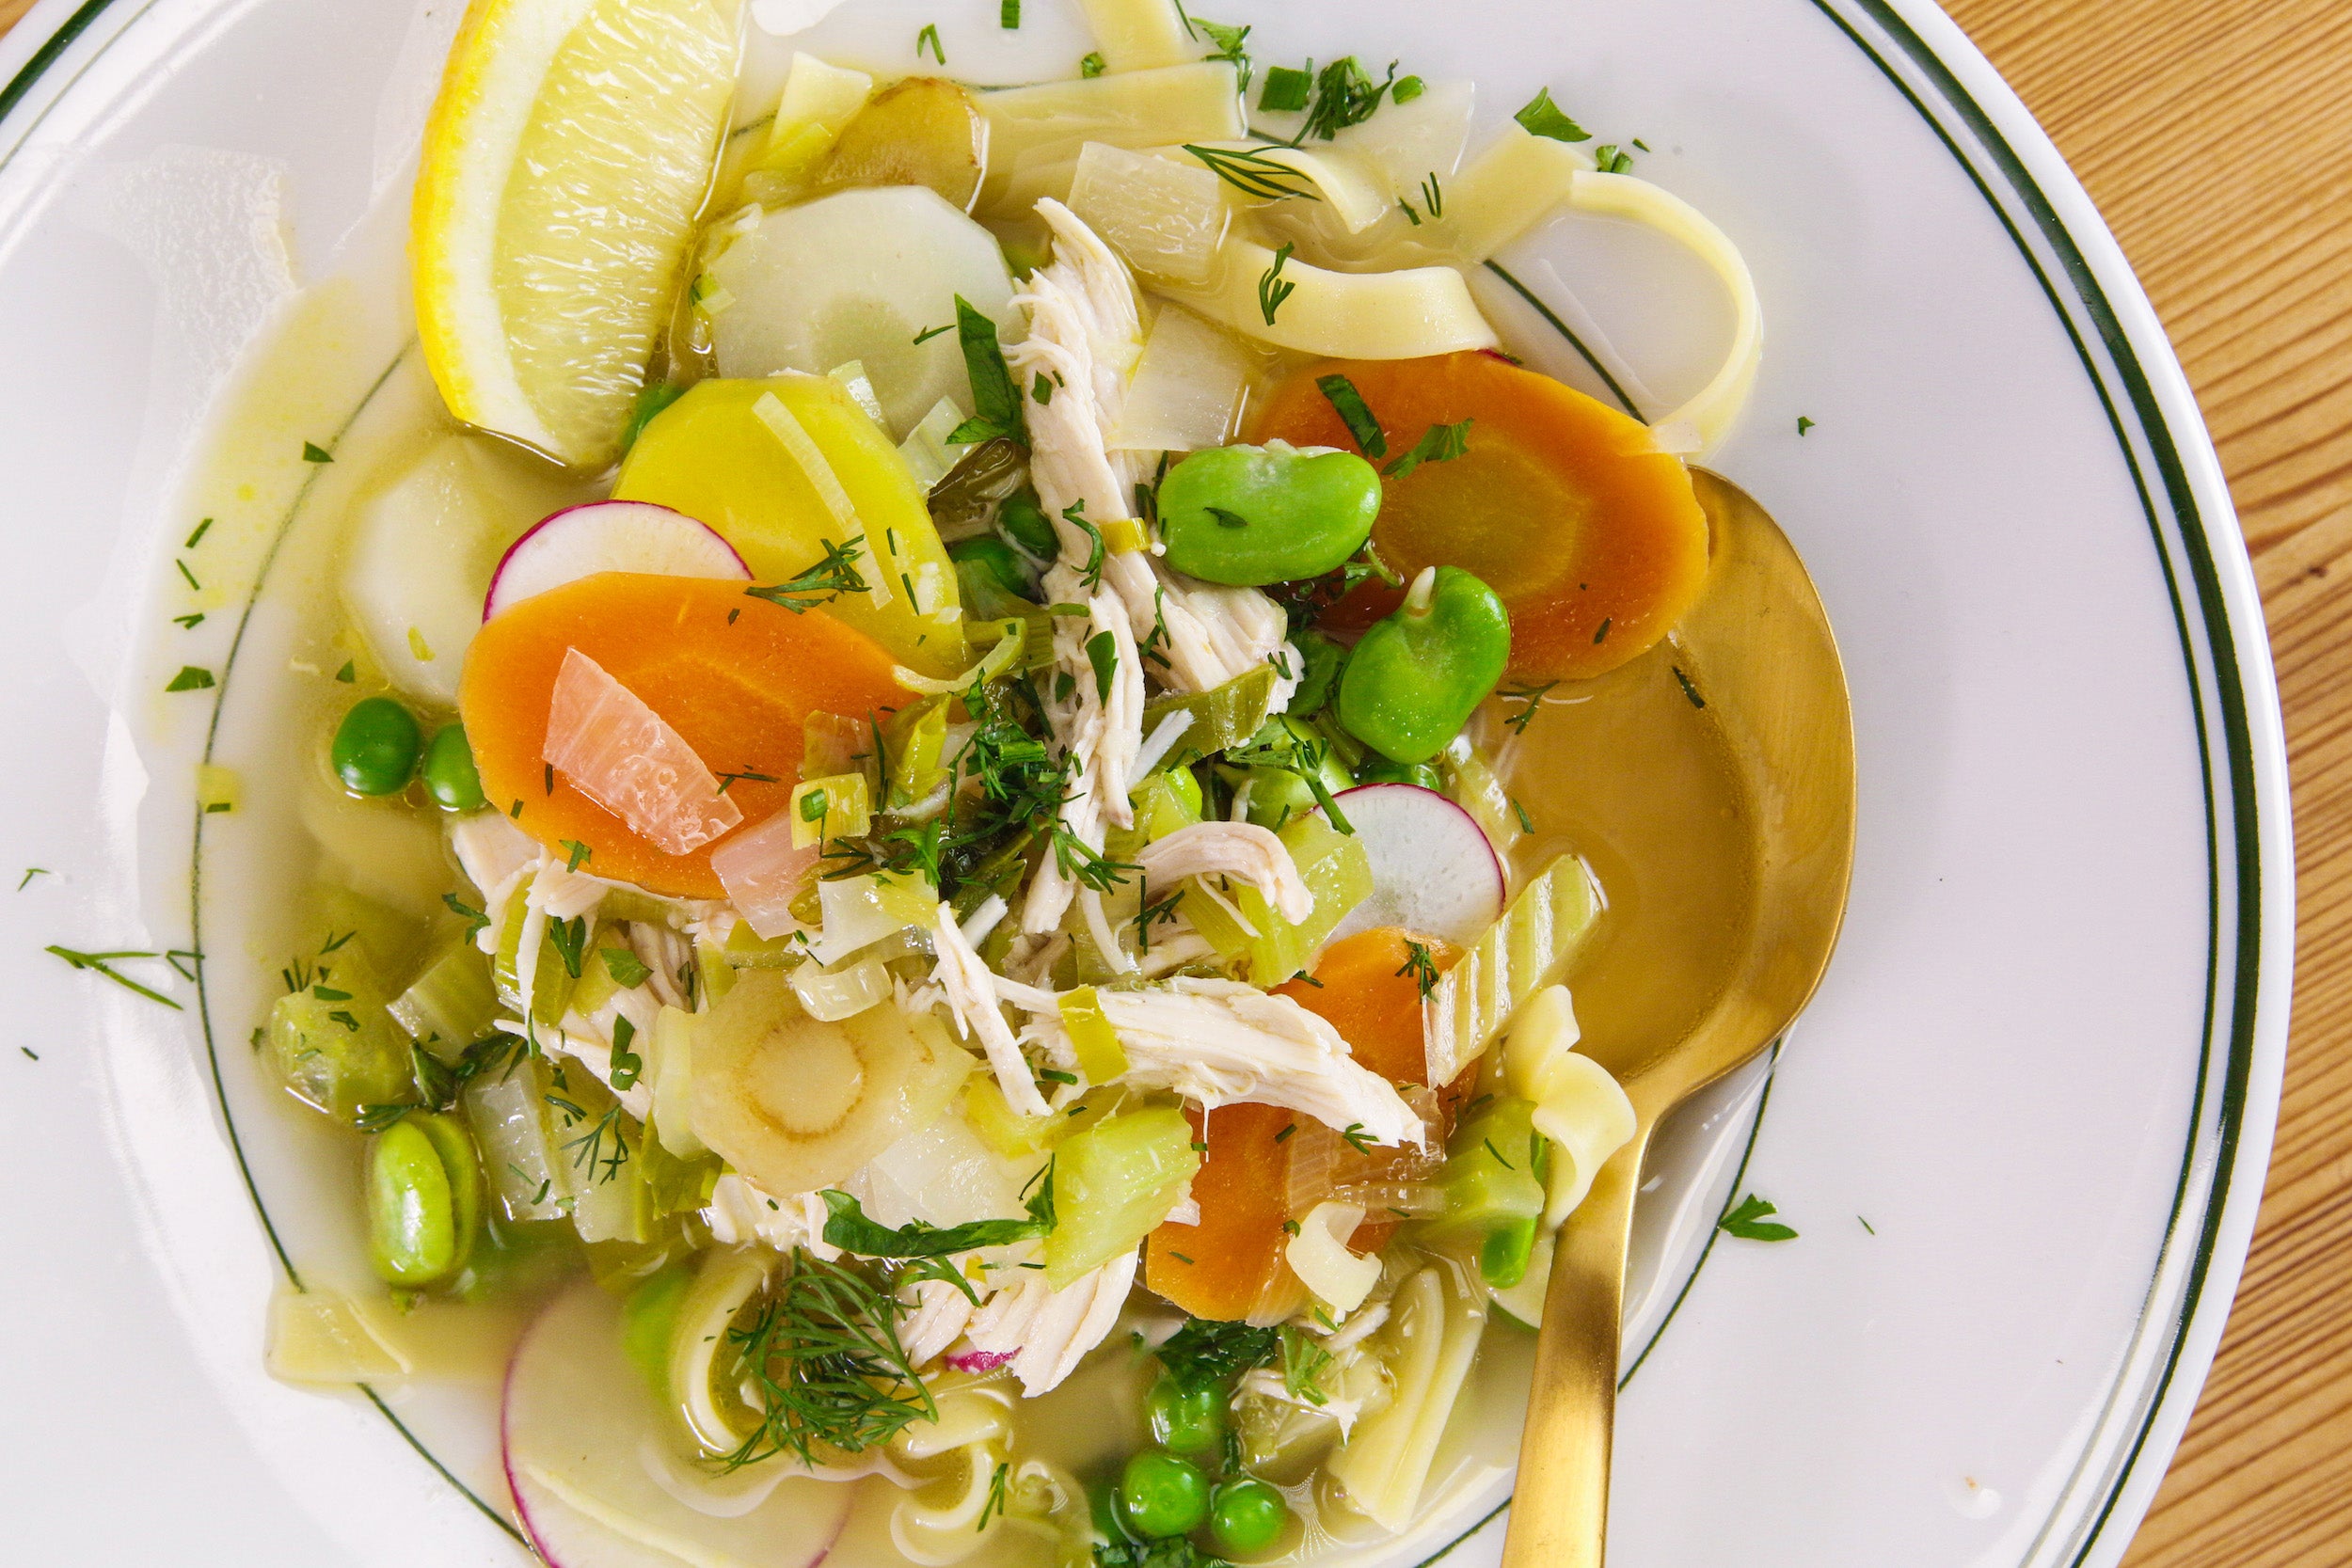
x,y
597,1473
609,536
610,742
1433,872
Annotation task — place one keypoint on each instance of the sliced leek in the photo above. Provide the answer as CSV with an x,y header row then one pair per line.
x,y
1410,314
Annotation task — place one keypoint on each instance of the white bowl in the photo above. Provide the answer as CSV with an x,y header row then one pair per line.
x,y
2022,1129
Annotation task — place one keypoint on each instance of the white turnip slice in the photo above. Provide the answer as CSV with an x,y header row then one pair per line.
x,y
1433,872
584,1439
609,536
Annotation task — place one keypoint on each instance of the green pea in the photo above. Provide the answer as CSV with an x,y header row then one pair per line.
x,y
412,1211
1025,523
1385,771
1185,1420
1253,516
449,772
1162,1494
376,747
1248,1517
1416,677
1002,563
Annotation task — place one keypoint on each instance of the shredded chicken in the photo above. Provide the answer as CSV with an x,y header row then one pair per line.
x,y
1049,1332
1100,727
937,1315
970,991
1239,850
740,1214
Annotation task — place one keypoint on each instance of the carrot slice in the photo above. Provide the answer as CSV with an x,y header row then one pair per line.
x,y
1232,1264
1565,506
733,674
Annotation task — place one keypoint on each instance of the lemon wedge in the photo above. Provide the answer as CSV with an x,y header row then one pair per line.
x,y
565,162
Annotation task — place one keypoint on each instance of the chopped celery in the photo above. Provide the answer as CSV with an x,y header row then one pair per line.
x,y
1100,1056
838,805
602,1150
1113,1185
1222,716
1166,802
861,911
1336,869
335,1047
673,1076
510,1117
1493,1194
830,995
1528,949
550,981
914,743
358,929
635,904
709,976
451,1004
747,949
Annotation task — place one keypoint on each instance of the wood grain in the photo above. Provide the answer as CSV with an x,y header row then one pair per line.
x,y
2216,137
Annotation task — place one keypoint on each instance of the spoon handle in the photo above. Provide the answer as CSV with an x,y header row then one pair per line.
x,y
1560,1514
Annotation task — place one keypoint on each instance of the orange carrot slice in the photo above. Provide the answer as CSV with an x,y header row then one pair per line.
x,y
1232,1264
732,675
1565,506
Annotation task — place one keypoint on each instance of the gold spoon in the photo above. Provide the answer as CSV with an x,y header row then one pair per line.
x,y
1762,652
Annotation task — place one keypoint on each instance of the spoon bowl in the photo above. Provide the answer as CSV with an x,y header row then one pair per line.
x,y
1758,646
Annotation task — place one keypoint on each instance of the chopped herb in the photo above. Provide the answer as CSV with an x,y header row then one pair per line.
x,y
1304,1362
1440,443
187,575
1229,40
997,405
102,963
1272,290
547,773
313,452
1289,1227
1091,573
830,578
1498,1154
29,1051
930,332
1357,1138
1432,195
1751,1222
1091,65
1608,158
575,852
1603,634
929,39
349,673
1285,90
1541,117
1349,404
1180,1257
189,621
1226,519
31,872
375,1118
1008,16
1532,696
1408,210
995,1503
327,993
1252,173
627,969
1406,89
190,679
200,530
825,1366
1688,690
1345,96
1804,425
1640,143
571,942
627,1063
1288,1129
1206,1352
1867,1226
847,1228
1041,391
727,779
1520,812
1421,966
1056,1075
517,813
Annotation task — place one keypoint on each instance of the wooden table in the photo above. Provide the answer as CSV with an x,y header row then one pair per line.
x,y
2215,135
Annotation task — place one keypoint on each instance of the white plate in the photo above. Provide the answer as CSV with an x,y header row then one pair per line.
x,y
2044,1068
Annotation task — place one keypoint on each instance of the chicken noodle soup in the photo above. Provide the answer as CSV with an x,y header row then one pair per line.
x,y
1058,776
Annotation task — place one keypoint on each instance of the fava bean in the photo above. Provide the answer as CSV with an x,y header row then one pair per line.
x,y
376,747
1248,1517
412,1211
1385,771
449,773
1416,677
1025,524
1000,563
1324,660
1185,1420
1253,516
1162,1494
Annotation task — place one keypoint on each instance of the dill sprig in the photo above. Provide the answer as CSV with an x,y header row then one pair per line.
x,y
102,963
1253,174
822,583
1272,288
1532,696
1421,966
1345,96
824,1360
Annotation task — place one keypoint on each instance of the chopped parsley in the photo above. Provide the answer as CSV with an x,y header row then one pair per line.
x,y
1349,404
1541,117
190,679
313,452
1440,443
1752,1222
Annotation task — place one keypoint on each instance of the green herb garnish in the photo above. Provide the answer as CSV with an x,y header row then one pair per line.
x,y
995,403
1354,412
1541,117
1440,443
1272,290
822,583
1751,1222
190,679
929,39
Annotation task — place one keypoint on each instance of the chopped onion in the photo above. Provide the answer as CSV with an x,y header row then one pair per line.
x,y
929,455
830,996
621,753
1188,386
317,1336
1165,217
861,911
1318,1254
763,872
852,377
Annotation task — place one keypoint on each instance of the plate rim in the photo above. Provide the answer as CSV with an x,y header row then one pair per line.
x,y
2090,287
